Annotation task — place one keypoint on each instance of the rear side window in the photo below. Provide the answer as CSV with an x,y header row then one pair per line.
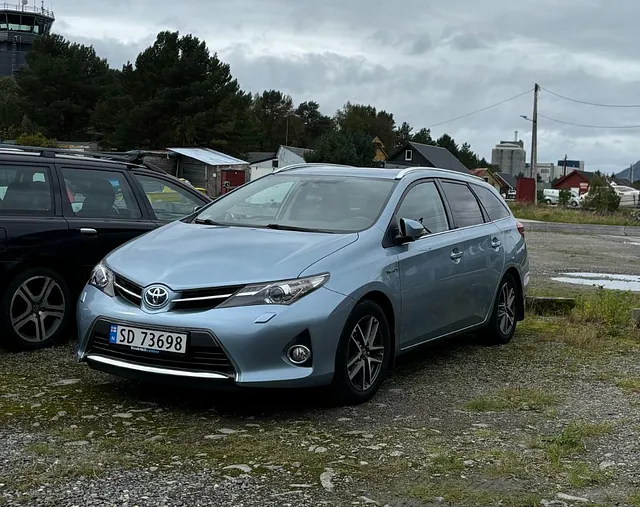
x,y
464,205
424,204
25,189
495,207
100,194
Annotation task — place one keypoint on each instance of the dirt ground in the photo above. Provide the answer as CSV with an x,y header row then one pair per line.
x,y
553,418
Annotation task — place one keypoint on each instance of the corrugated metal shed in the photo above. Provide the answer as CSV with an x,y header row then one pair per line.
x,y
208,156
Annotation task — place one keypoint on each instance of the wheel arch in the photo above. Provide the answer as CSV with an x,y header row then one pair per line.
x,y
41,261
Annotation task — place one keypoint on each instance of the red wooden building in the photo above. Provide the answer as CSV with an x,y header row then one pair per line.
x,y
575,179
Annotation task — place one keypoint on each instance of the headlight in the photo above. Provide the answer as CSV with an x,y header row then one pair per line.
x,y
276,293
102,278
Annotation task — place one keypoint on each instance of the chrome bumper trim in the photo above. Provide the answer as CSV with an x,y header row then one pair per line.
x,y
152,369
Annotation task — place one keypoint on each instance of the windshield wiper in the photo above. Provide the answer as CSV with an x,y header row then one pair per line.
x,y
281,227
206,221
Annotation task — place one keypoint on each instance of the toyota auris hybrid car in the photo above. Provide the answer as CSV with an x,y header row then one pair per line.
x,y
313,275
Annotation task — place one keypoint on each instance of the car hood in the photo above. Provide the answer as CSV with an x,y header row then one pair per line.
x,y
186,256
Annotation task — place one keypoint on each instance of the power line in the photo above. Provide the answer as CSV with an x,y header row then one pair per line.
x,y
481,110
590,103
590,126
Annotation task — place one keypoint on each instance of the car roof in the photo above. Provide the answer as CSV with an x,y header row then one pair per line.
x,y
16,153
376,172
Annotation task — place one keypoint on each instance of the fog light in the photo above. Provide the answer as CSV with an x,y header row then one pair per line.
x,y
299,354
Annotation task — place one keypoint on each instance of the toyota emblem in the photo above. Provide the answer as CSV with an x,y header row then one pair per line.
x,y
156,296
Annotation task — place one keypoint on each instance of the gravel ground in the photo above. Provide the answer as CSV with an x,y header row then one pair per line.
x,y
553,254
551,418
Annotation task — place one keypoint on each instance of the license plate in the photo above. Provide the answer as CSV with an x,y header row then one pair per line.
x,y
147,340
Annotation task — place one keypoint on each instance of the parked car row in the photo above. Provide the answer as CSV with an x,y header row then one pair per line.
x,y
315,275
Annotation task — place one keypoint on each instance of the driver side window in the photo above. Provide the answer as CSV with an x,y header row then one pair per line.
x,y
423,204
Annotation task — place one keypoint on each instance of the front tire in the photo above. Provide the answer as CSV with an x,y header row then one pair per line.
x,y
363,355
35,309
502,325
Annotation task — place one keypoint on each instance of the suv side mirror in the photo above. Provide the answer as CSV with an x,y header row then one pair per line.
x,y
410,230
196,209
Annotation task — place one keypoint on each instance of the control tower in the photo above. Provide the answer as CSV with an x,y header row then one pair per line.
x,y
20,25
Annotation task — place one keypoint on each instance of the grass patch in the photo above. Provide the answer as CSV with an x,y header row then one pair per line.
x,y
634,500
460,493
445,464
609,308
544,213
513,399
572,440
630,384
581,475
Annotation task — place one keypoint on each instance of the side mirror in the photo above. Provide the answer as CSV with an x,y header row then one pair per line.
x,y
410,230
197,208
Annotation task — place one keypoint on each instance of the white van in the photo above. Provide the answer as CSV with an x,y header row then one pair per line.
x,y
552,195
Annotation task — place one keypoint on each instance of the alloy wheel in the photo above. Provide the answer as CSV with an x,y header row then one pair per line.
x,y
366,354
37,309
507,309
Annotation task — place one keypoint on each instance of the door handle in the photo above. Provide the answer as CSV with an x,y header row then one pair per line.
x,y
456,255
496,243
88,232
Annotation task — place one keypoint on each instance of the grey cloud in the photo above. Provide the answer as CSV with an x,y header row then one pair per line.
x,y
420,45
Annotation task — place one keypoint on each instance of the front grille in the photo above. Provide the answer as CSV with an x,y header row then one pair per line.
x,y
204,354
203,299
127,290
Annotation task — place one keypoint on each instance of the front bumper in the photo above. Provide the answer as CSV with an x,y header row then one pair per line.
x,y
244,346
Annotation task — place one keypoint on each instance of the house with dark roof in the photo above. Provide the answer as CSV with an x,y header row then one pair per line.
x,y
575,179
487,175
267,162
424,155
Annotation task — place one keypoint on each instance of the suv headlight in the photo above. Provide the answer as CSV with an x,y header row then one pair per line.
x,y
276,293
102,278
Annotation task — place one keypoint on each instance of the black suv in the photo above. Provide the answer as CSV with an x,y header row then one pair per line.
x,y
60,213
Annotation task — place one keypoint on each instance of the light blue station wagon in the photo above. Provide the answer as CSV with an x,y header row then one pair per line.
x,y
313,275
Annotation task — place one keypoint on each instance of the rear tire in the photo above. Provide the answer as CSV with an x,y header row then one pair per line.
x,y
35,309
504,318
363,355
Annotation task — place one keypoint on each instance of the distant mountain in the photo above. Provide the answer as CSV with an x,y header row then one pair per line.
x,y
625,175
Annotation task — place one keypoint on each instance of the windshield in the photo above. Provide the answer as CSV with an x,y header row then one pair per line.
x,y
304,202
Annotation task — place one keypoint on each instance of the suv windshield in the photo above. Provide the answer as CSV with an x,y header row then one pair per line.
x,y
303,202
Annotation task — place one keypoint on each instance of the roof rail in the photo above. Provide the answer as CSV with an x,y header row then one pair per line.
x,y
307,164
130,157
409,170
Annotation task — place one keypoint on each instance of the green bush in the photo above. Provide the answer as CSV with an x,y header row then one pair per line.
x,y
564,197
601,197
36,140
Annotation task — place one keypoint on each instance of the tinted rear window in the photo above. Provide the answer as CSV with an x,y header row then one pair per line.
x,y
464,205
494,205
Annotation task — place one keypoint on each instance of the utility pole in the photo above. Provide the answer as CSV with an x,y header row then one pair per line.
x,y
286,139
564,170
534,141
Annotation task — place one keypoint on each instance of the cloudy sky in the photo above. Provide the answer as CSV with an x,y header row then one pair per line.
x,y
426,62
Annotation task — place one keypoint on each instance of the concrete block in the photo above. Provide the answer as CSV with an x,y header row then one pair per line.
x,y
550,305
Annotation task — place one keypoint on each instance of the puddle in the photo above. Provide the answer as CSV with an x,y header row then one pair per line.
x,y
605,280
